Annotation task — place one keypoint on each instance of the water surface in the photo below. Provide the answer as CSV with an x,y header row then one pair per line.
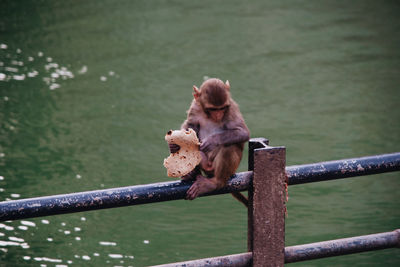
x,y
88,90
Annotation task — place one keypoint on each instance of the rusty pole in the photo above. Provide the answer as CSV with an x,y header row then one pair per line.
x,y
254,143
267,209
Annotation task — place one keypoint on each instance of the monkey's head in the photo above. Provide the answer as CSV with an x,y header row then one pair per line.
x,y
214,98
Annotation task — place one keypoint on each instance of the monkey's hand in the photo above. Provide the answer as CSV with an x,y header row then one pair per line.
x,y
209,144
191,175
173,148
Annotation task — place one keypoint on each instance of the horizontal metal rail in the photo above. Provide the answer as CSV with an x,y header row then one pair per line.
x,y
109,198
311,251
342,246
158,192
235,260
344,168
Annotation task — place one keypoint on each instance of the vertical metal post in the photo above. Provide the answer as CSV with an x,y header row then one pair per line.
x,y
254,143
267,205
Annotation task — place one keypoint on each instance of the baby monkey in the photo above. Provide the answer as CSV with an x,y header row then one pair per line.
x,y
221,129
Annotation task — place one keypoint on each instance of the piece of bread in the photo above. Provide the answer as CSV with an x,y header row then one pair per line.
x,y
187,158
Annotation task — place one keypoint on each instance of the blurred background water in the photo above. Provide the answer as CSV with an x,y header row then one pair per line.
x,y
88,90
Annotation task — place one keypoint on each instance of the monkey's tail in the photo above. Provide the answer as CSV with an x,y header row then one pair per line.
x,y
241,198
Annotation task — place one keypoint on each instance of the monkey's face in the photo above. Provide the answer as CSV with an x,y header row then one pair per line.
x,y
216,113
214,98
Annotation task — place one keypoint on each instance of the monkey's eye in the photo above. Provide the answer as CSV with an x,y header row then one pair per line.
x,y
217,109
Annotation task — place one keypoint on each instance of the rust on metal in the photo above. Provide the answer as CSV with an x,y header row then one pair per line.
x,y
254,143
268,240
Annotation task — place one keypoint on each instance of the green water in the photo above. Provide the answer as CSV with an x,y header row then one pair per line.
x,y
88,90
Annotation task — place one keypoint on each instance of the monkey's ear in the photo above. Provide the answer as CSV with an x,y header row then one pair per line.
x,y
227,85
196,92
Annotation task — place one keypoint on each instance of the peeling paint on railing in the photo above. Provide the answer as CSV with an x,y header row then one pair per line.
x,y
342,246
311,251
157,192
108,198
345,168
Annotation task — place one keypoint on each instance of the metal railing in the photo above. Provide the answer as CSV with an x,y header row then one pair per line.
x,y
108,198
311,251
265,180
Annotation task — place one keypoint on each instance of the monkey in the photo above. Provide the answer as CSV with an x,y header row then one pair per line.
x,y
220,127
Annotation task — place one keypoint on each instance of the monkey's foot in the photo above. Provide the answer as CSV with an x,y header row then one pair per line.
x,y
200,187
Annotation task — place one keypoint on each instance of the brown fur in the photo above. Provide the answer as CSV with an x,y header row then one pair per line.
x,y
222,141
213,91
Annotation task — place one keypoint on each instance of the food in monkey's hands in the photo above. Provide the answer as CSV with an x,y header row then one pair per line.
x,y
184,160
